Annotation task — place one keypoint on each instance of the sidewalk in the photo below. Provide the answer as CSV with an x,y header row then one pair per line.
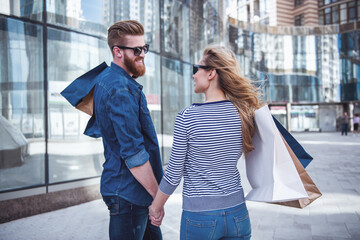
x,y
336,215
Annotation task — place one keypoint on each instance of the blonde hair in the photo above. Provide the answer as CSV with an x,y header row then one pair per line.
x,y
238,89
120,29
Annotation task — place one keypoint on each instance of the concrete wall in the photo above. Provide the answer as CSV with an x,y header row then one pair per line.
x,y
328,115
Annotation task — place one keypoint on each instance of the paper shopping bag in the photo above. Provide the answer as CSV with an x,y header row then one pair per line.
x,y
86,104
80,94
299,151
269,167
80,91
310,187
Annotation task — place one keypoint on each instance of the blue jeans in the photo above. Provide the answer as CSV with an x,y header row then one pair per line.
x,y
152,232
230,223
344,129
127,221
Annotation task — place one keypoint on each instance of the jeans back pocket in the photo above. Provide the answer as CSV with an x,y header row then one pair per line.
x,y
242,222
200,229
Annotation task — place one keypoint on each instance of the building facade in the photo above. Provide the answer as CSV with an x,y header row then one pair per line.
x,y
309,75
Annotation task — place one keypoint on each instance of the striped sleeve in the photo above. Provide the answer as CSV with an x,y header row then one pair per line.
x,y
175,169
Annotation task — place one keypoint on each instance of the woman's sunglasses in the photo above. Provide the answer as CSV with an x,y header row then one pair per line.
x,y
137,50
196,67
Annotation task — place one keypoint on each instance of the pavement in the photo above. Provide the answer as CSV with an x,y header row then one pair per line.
x,y
336,215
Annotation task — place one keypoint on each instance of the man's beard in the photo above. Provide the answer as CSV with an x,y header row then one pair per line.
x,y
134,68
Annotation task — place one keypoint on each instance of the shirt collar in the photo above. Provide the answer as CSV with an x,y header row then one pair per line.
x,y
120,70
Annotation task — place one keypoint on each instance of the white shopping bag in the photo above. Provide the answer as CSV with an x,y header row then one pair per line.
x,y
269,167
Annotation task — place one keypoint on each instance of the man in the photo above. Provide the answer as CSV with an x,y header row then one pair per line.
x,y
132,168
344,124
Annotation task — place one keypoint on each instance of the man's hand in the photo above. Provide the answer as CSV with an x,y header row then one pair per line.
x,y
156,216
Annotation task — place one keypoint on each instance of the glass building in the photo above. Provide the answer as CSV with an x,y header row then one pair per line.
x,y
309,76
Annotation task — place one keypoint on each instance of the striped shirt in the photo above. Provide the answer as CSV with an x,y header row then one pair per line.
x,y
207,145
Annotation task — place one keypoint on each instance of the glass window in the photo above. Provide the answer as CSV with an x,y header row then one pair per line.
x,y
352,11
299,20
327,16
145,11
151,82
31,9
343,13
22,125
175,26
72,155
298,2
304,118
335,14
176,95
321,17
88,16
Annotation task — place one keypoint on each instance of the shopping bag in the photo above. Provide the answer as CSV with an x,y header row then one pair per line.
x,y
269,167
310,187
80,94
299,151
87,103
80,91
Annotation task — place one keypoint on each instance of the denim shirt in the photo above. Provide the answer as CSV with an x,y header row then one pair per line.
x,y
129,137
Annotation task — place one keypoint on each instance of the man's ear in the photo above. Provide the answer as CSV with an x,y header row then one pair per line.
x,y
117,52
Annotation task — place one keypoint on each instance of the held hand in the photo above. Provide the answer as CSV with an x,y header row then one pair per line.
x,y
156,216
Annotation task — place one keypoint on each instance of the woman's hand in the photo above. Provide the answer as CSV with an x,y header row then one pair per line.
x,y
156,215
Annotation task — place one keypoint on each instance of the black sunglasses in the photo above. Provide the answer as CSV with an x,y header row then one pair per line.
x,y
137,50
196,67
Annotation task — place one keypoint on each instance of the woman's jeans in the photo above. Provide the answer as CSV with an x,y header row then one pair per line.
x,y
129,221
230,223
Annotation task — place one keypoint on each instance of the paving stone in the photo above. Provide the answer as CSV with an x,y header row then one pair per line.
x,y
354,230
336,215
333,230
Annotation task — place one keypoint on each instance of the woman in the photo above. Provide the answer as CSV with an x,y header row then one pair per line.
x,y
209,138
356,124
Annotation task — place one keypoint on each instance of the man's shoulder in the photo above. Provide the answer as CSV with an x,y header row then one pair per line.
x,y
110,79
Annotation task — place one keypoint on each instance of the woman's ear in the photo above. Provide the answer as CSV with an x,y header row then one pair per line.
x,y
212,74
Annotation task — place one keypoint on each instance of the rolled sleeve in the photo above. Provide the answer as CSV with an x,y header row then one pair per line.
x,y
137,160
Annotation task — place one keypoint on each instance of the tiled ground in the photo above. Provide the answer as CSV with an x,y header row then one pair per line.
x,y
336,215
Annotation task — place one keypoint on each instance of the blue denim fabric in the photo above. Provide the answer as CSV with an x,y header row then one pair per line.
x,y
344,129
152,232
129,138
230,223
127,221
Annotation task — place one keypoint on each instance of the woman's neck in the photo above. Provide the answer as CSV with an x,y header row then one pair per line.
x,y
214,95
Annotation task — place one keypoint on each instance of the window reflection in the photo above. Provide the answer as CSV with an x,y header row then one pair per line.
x,y
72,155
176,95
304,118
145,11
175,24
151,83
22,130
206,25
31,9
91,16
309,74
